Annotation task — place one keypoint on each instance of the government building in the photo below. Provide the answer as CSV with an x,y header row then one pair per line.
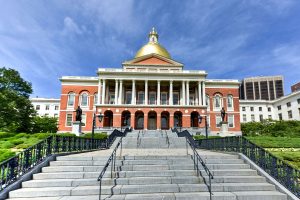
x,y
152,91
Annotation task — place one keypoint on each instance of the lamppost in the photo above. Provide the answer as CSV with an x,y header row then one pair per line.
x,y
100,117
200,121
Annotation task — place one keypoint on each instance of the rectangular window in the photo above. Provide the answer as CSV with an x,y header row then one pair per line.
x,y
244,118
269,109
243,108
192,99
175,98
279,107
37,107
46,115
260,108
164,98
261,118
71,99
298,100
95,99
253,118
280,116
218,121
111,98
83,120
56,115
270,116
47,107
152,98
141,98
56,107
128,97
69,119
230,121
290,114
288,104
251,108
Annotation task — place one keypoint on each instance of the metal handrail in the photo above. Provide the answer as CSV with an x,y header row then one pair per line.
x,y
138,140
192,144
112,158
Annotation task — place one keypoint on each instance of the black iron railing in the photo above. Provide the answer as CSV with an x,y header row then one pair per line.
x,y
167,139
284,173
112,162
196,159
15,167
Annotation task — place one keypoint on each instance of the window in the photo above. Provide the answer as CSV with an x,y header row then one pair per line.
x,y
261,118
84,100
269,109
37,107
56,115
230,121
111,98
269,116
218,121
164,98
280,116
83,119
260,108
288,104
252,118
192,99
95,98
230,102
56,107
208,121
217,102
128,96
141,97
69,120
244,118
243,108
152,98
176,98
279,107
298,100
207,102
290,114
71,99
46,115
251,108
47,107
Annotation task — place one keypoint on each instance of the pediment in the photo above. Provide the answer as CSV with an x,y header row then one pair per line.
x,y
153,59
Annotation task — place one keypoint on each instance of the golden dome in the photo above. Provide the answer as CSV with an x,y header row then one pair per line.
x,y
153,47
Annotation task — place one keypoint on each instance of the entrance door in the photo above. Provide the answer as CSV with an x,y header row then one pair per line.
x,y
152,121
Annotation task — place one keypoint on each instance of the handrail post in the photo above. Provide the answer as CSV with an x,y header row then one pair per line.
x,y
186,145
100,189
121,147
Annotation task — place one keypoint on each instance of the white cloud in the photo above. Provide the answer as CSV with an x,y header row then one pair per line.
x,y
71,27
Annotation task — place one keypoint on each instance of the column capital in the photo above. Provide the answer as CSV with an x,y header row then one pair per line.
x,y
158,81
171,81
121,81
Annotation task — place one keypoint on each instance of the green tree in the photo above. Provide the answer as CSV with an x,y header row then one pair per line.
x,y
44,125
16,110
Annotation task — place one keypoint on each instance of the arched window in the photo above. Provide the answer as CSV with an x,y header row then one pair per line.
x,y
207,102
95,98
218,102
84,99
230,102
71,99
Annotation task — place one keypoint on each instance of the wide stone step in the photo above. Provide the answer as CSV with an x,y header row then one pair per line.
x,y
223,161
73,169
81,158
78,163
150,157
156,161
237,179
256,195
161,173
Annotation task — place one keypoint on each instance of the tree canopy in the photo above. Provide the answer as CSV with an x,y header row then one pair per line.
x,y
16,110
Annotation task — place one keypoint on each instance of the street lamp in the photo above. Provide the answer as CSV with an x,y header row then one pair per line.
x,y
200,121
100,117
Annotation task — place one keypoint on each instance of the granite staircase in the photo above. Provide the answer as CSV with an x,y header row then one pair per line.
x,y
164,172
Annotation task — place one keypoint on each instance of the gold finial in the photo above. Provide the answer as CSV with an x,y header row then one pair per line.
x,y
153,36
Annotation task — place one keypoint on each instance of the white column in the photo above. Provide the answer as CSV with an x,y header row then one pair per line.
x,y
274,90
133,92
146,92
116,92
171,93
199,94
254,96
203,93
99,90
103,92
121,92
183,93
158,93
187,93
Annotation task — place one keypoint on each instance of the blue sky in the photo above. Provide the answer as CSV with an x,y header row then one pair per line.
x,y
231,39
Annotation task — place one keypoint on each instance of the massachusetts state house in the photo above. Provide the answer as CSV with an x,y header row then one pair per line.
x,y
152,91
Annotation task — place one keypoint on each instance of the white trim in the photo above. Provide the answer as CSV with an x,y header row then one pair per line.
x,y
87,100
66,122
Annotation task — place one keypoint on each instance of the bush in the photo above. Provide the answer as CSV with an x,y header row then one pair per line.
x,y
67,134
44,125
96,135
199,137
6,134
17,141
5,154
